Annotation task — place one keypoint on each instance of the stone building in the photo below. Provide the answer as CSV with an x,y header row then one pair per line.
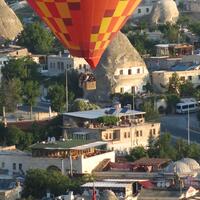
x,y
160,79
76,156
144,9
131,131
57,64
121,69
191,5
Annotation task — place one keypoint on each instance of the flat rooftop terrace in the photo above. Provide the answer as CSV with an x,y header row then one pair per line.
x,y
69,145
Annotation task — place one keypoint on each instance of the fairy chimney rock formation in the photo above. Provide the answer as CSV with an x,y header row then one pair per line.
x,y
10,25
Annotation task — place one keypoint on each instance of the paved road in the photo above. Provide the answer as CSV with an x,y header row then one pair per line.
x,y
177,126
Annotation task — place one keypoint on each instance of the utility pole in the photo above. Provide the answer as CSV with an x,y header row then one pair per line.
x,y
4,117
62,167
188,126
66,90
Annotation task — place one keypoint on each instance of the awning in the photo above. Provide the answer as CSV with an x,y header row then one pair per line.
x,y
146,184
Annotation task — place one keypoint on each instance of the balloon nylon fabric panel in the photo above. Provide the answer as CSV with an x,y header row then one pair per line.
x,y
85,27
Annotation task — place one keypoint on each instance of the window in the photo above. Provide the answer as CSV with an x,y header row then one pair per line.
x,y
137,133
133,89
84,66
147,10
20,166
140,133
122,90
110,136
129,72
125,135
154,131
14,166
2,165
184,107
139,10
182,78
199,77
150,133
190,78
80,66
129,134
121,72
106,136
62,65
191,105
138,71
58,65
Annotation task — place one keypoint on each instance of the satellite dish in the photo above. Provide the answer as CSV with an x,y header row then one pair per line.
x,y
159,184
167,184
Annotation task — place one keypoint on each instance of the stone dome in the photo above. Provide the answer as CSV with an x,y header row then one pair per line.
x,y
179,168
108,195
165,11
193,164
10,25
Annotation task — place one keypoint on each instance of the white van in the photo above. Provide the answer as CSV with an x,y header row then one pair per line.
x,y
187,106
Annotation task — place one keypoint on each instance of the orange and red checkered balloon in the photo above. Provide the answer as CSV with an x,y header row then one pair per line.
x,y
85,27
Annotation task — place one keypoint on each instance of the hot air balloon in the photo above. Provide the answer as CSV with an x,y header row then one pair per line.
x,y
85,27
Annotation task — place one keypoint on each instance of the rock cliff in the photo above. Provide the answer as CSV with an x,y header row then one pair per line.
x,y
10,25
119,54
164,11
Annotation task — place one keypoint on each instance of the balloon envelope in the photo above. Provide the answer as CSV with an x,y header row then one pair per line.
x,y
85,27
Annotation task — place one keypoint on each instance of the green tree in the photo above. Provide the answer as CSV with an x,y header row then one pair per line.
x,y
124,99
14,136
184,20
153,147
23,69
15,68
74,91
81,105
30,93
141,42
56,94
182,149
174,84
195,27
187,89
171,32
36,38
172,100
38,181
198,116
166,149
10,94
108,120
151,113
3,133
197,94
137,153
